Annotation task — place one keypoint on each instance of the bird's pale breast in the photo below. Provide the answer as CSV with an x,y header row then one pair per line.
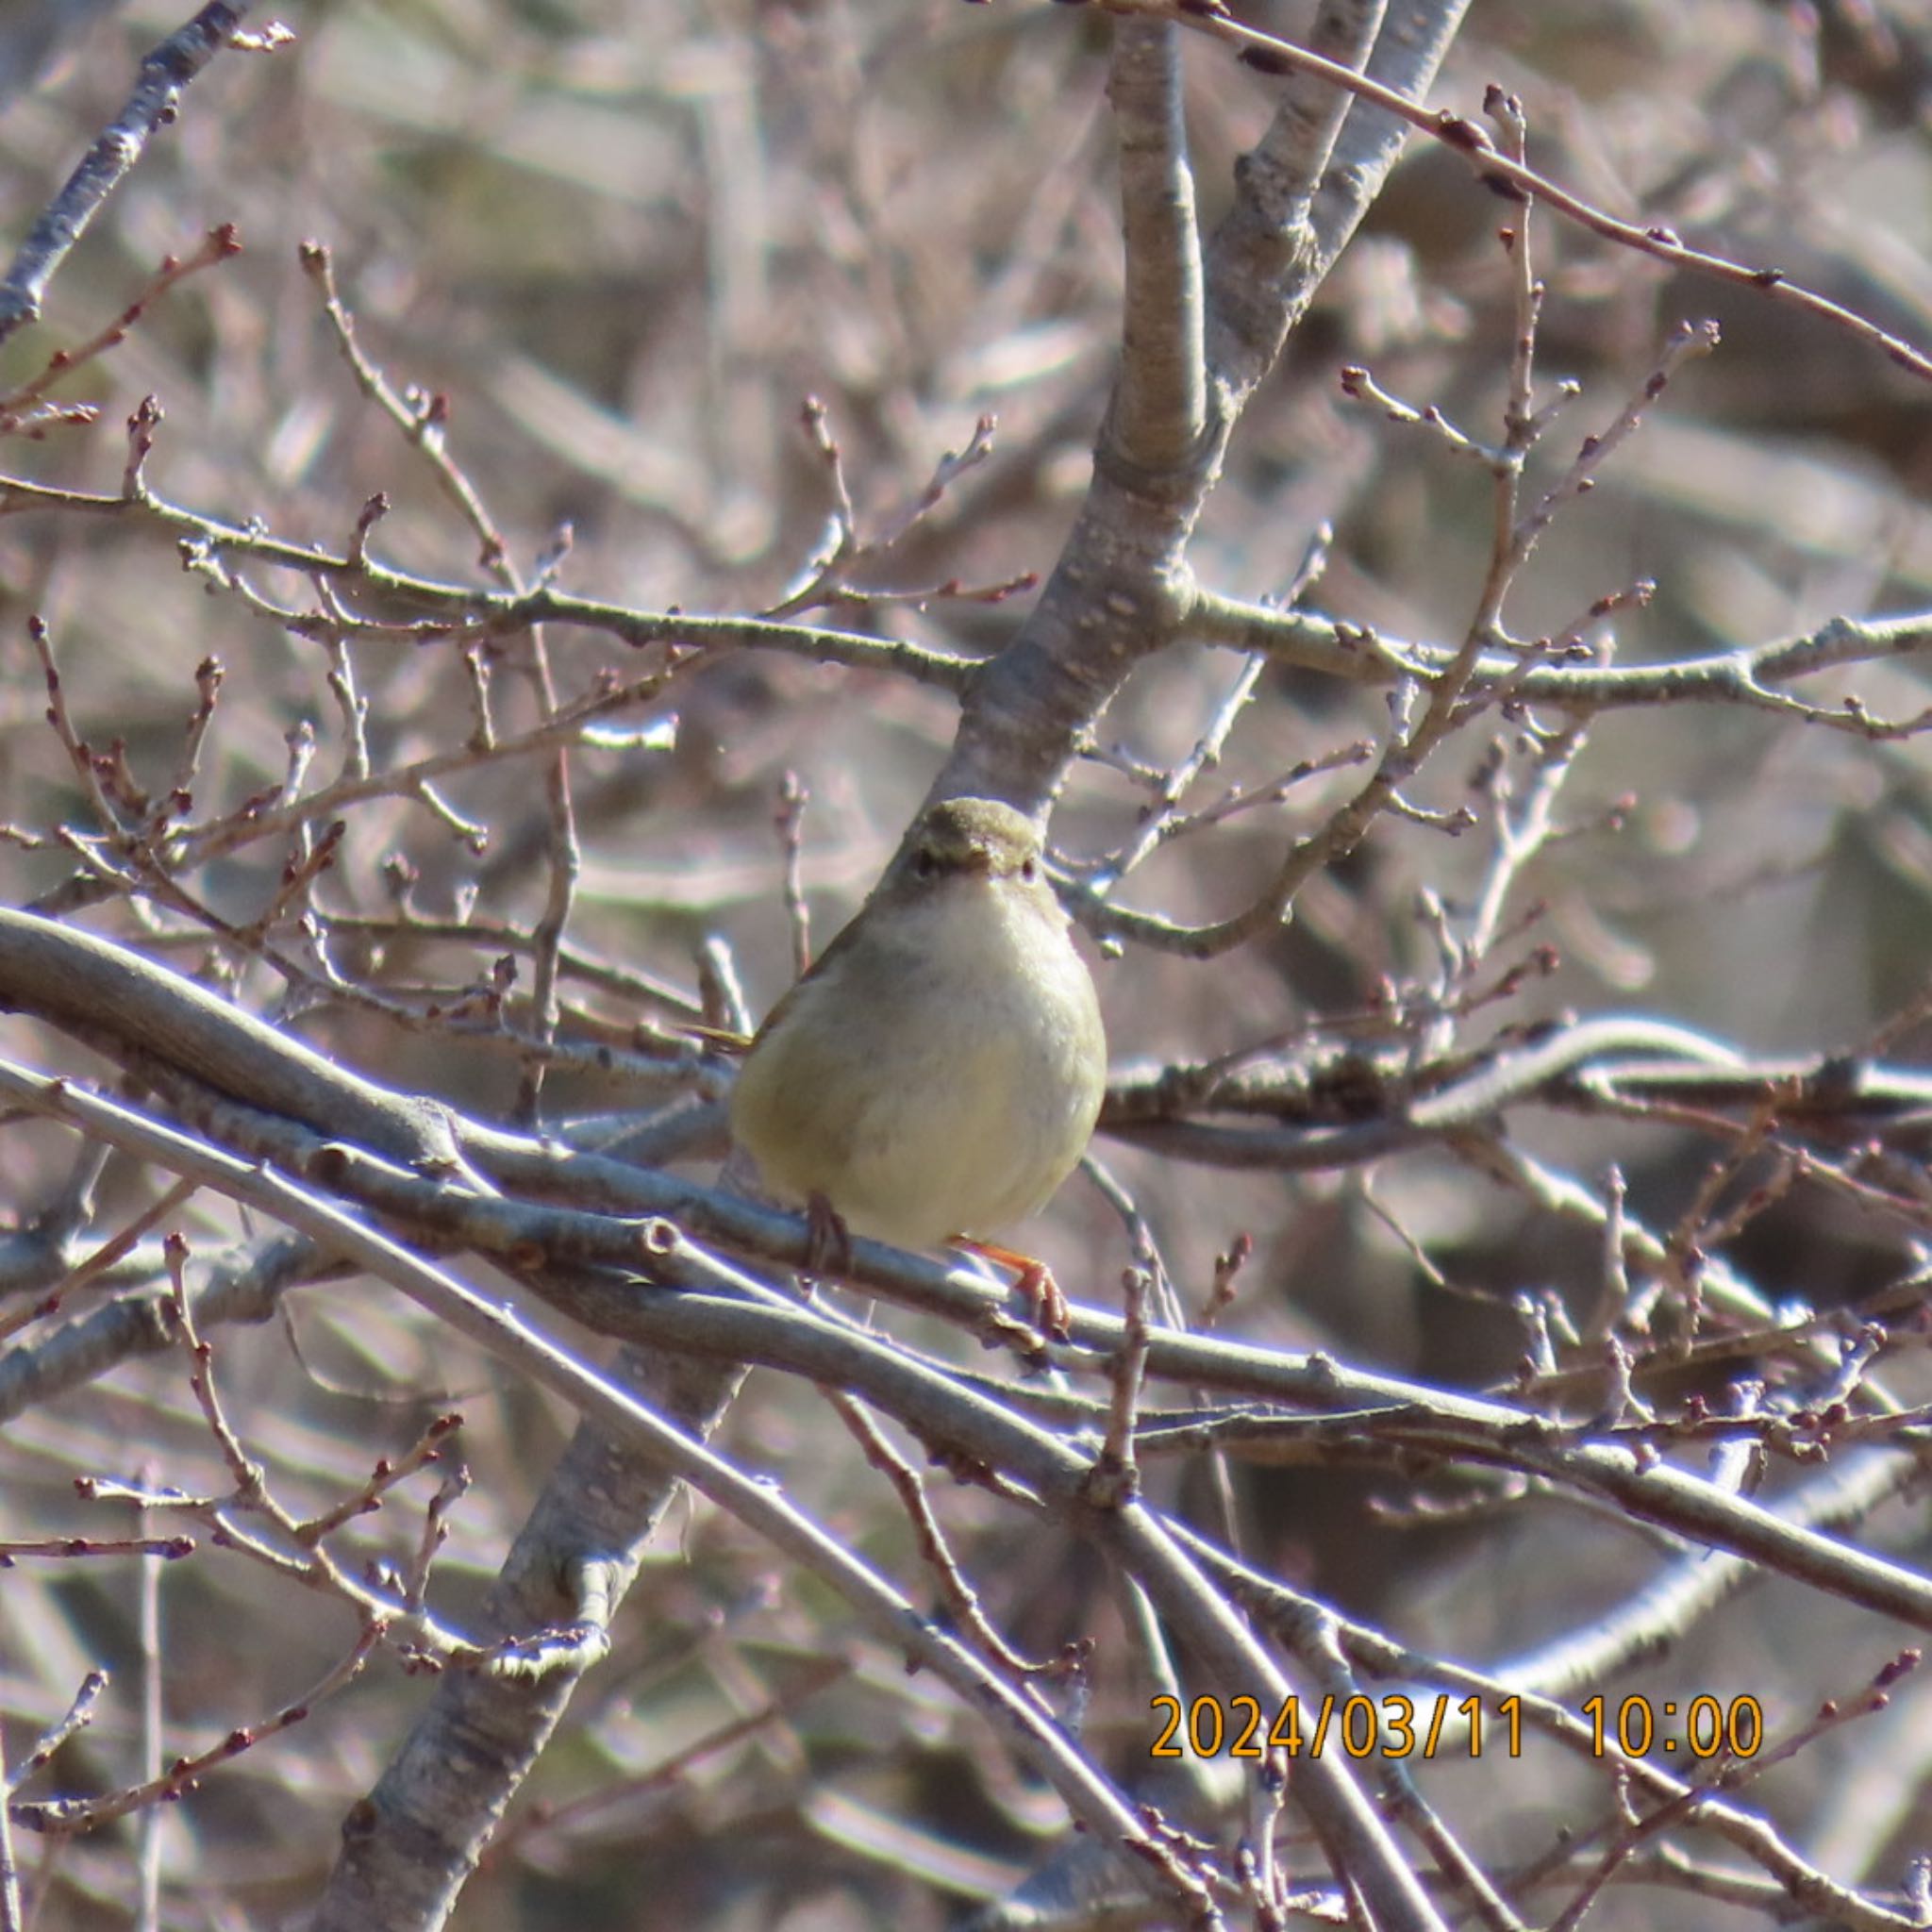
x,y
948,1086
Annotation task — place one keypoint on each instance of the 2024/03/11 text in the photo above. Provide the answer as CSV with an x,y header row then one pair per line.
x,y
1395,1726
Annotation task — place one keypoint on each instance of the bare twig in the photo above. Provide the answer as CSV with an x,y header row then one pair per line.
x,y
153,104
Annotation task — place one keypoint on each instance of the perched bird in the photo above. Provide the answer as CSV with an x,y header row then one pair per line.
x,y
937,1074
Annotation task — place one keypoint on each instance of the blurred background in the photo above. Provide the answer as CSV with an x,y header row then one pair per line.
x,y
37,36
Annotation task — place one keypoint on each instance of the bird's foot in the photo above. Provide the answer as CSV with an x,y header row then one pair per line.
x,y
1052,1313
827,1240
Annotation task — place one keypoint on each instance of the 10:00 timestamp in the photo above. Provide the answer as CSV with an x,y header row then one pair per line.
x,y
1703,1727
1396,1726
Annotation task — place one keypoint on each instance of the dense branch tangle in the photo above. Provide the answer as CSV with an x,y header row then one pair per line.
x,y
375,1183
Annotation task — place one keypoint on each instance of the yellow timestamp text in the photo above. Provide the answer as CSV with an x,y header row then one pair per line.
x,y
1395,1726
1700,1727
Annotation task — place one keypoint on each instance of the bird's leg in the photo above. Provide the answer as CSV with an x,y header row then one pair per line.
x,y
827,1240
1034,1279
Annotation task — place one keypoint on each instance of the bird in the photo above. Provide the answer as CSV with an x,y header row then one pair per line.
x,y
937,1074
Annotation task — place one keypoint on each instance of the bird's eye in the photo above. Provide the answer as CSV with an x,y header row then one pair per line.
x,y
1029,869
926,863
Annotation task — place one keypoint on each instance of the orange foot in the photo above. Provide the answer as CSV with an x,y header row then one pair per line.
x,y
1034,1279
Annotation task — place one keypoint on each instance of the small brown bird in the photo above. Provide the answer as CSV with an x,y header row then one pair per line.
x,y
937,1074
